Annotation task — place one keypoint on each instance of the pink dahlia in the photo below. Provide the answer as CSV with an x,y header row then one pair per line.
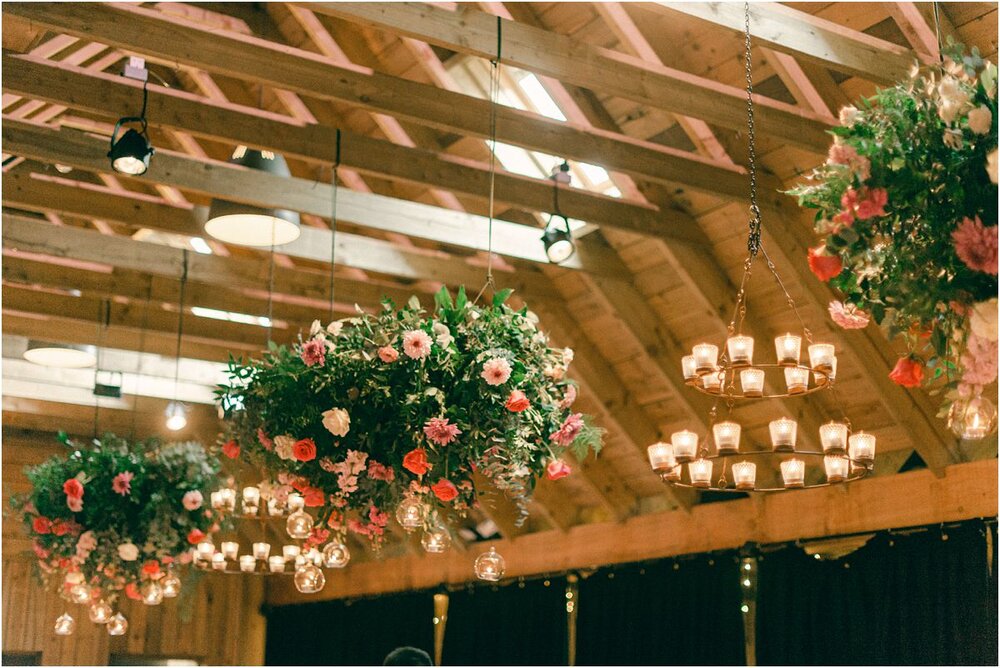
x,y
416,344
122,483
569,430
496,371
439,431
314,352
979,361
976,245
848,316
569,397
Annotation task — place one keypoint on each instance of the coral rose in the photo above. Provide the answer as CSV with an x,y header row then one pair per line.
x,y
195,536
517,402
304,450
231,449
151,567
388,354
556,469
132,591
74,503
313,497
73,488
444,490
908,372
824,266
41,525
415,461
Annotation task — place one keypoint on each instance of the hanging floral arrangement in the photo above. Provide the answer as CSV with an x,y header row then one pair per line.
x,y
396,411
116,517
906,204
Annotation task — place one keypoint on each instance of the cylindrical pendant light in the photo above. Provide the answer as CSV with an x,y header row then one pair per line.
x,y
249,225
63,355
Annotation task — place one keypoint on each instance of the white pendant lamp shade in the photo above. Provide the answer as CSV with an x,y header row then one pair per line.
x,y
248,225
61,355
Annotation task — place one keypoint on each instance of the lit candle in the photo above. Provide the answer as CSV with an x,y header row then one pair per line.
x,y
752,381
251,496
788,347
833,437
276,564
65,625
744,474
689,367
219,561
740,349
783,433
247,563
685,445
300,560
712,381
216,498
261,550
205,550
821,356
290,551
661,458
228,499
706,356
793,472
862,446
274,509
797,379
727,437
295,502
700,472
314,556
836,468
230,549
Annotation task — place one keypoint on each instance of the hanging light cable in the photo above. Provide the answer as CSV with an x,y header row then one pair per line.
x,y
176,411
333,221
494,97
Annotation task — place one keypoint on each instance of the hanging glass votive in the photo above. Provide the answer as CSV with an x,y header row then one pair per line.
x,y
706,356
783,432
661,459
490,566
861,447
79,593
410,513
727,437
821,356
309,579
171,585
299,524
100,612
117,625
685,444
689,367
836,467
973,418
152,593
740,349
65,625
336,554
752,382
788,348
793,472
744,475
796,379
833,437
435,540
700,472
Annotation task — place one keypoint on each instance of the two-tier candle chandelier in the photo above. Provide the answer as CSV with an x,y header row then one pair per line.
x,y
718,460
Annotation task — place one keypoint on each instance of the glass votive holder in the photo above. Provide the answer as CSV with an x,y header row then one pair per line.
x,y
261,550
230,549
276,564
727,437
796,379
712,381
821,356
744,475
861,446
752,382
251,496
836,468
275,509
833,437
706,356
227,499
740,349
787,348
219,561
689,367
783,432
295,502
215,499
205,550
289,552
685,445
300,560
700,471
825,376
793,472
248,563
661,459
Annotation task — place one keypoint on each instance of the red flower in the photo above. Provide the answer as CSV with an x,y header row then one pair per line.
x,y
824,266
304,450
556,469
873,205
231,449
909,372
42,525
300,484
517,402
415,461
73,488
313,497
40,551
151,567
444,490
195,536
60,528
132,591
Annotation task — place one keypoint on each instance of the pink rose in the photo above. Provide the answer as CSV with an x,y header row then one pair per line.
x,y
569,430
848,316
388,354
873,205
74,503
556,469
976,245
122,483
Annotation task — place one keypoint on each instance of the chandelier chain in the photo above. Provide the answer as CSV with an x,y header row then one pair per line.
x,y
753,240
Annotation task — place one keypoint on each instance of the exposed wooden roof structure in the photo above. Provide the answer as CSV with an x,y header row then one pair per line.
x,y
652,93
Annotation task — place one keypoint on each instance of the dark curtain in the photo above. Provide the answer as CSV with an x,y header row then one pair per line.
x,y
339,633
519,624
665,613
913,600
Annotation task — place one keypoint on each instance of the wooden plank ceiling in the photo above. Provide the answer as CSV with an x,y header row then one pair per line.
x,y
650,92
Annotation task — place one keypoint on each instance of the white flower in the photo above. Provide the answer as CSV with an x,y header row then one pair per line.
x,y
315,328
442,334
74,577
554,372
337,421
334,328
128,552
991,165
983,319
567,356
848,115
981,120
283,446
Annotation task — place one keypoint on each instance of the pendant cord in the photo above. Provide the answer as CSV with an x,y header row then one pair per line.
x,y
103,320
333,222
494,97
937,29
142,350
180,322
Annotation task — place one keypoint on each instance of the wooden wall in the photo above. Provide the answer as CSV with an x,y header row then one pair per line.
x,y
224,624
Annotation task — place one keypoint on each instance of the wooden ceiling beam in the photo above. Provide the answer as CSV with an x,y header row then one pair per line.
x,y
966,491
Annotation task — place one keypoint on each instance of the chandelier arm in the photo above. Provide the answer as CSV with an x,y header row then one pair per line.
x,y
788,298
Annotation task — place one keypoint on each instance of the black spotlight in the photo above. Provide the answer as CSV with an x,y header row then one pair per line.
x,y
130,154
558,240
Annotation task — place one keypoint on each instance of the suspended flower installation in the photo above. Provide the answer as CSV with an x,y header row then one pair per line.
x,y
389,415
907,206
115,516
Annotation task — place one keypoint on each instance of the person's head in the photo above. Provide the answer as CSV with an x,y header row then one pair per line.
x,y
408,656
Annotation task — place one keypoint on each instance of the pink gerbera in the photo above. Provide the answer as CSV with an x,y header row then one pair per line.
x,y
848,316
416,344
976,245
439,431
314,352
496,371
569,430
122,483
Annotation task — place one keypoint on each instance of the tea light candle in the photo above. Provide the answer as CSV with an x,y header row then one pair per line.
x,y
833,437
261,550
788,347
251,496
274,509
300,560
836,468
740,349
230,549
796,379
752,381
216,500
227,499
689,367
712,381
727,437
706,356
661,456
314,556
821,356
685,445
248,563
862,446
744,475
700,472
783,431
219,561
205,550
276,564
290,551
793,472
295,502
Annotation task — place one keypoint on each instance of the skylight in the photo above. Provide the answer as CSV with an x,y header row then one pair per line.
x,y
215,314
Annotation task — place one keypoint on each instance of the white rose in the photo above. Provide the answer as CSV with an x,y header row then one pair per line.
x,y
283,446
981,120
337,421
848,115
983,319
567,356
991,165
442,334
128,552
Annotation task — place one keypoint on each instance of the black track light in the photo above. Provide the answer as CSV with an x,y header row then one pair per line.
x,y
130,154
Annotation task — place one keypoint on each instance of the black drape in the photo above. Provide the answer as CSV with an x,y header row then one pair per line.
x,y
340,633
916,600
520,624
665,613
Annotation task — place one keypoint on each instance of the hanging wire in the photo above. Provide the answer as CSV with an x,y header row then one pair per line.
x,y
333,221
494,97
270,292
180,322
142,350
103,320
937,29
